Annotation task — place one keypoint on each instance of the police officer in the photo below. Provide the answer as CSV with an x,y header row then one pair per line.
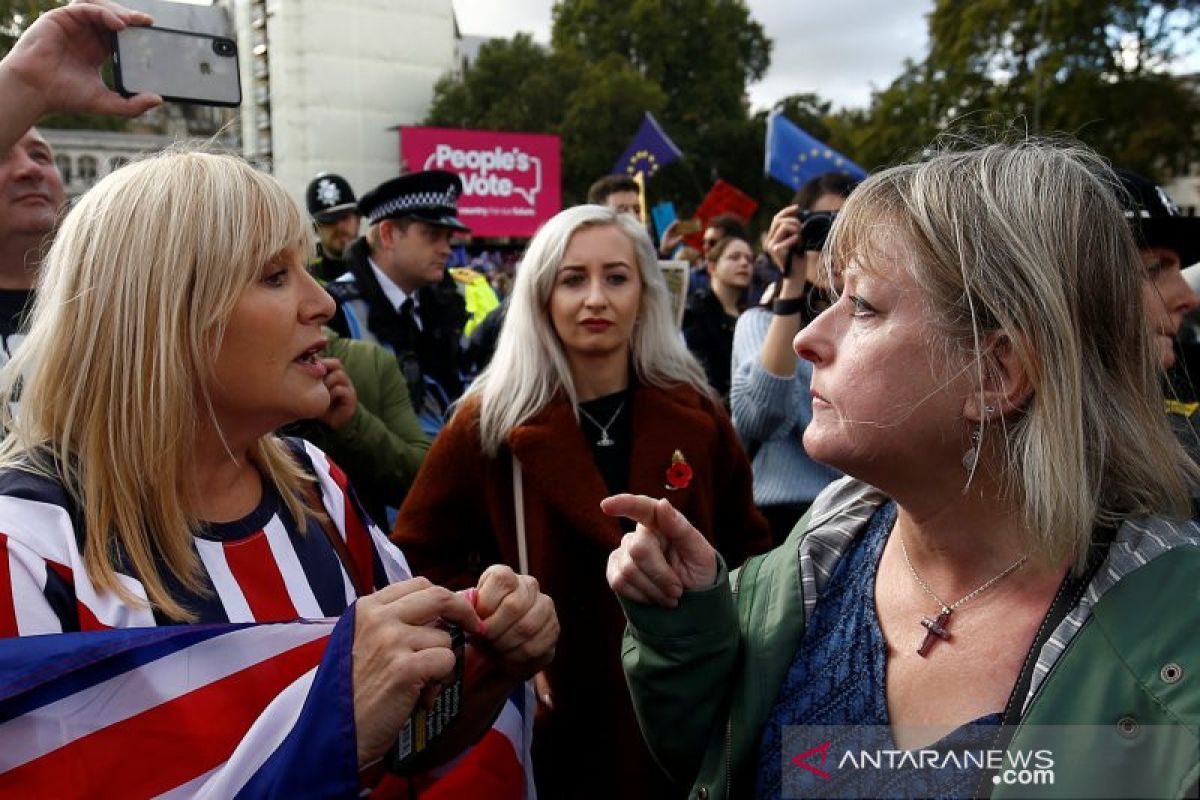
x,y
334,210
396,291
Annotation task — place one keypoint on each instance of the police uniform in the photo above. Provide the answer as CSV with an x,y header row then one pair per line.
x,y
427,339
329,198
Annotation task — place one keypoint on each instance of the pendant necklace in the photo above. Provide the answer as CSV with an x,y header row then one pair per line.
x,y
605,440
940,628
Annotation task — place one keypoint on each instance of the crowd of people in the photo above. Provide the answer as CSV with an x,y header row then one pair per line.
x,y
924,467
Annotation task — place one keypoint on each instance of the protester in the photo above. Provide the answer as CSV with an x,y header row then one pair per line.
x,y
31,188
712,312
1014,516
590,392
621,193
1167,242
396,292
769,396
720,227
370,428
334,211
170,488
31,194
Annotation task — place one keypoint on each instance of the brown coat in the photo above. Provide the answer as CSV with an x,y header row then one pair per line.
x,y
459,517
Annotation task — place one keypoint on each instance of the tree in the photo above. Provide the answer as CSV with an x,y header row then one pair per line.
x,y
702,52
1095,71
685,61
514,85
16,16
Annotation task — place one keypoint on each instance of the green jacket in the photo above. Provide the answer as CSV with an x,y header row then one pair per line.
x,y
382,445
704,677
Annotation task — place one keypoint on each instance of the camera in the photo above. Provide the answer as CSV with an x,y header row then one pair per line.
x,y
814,230
224,47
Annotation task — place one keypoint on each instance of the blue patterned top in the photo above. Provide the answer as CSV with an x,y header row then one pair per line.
x,y
839,678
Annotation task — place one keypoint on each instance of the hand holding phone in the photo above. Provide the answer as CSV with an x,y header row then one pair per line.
x,y
180,66
55,65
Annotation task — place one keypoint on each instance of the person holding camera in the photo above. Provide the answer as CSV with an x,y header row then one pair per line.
x,y
769,396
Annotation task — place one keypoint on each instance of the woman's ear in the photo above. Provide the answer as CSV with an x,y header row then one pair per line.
x,y
1006,387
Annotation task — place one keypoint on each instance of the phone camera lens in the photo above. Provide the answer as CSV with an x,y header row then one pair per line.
x,y
223,47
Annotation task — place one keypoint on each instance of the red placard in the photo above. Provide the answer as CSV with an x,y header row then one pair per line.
x,y
722,198
511,181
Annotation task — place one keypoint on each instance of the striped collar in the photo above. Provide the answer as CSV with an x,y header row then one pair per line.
x,y
840,514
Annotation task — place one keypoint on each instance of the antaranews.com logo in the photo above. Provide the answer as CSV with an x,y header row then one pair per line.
x,y
1029,762
1009,767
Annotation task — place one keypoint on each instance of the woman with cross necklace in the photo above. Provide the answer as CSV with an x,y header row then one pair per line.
x,y
1011,549
591,392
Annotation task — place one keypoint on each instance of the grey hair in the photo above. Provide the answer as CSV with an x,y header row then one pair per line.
x,y
1028,240
530,367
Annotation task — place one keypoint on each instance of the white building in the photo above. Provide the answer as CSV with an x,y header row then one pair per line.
x,y
325,83
85,156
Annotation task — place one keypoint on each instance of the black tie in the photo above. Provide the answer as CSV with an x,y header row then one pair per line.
x,y
408,322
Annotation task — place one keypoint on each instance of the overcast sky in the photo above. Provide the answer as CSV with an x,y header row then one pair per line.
x,y
841,49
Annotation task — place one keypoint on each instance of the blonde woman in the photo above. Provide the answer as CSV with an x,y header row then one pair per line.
x,y
590,392
175,328
1013,545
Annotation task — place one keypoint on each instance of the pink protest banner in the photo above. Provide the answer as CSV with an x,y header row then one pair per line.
x,y
511,181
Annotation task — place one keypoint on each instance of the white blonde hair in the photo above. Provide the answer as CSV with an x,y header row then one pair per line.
x,y
132,303
530,366
1028,240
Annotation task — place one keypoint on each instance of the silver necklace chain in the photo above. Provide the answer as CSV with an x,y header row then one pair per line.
x,y
1013,567
605,440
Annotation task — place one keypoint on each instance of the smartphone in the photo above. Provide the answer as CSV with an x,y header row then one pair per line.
x,y
179,66
686,227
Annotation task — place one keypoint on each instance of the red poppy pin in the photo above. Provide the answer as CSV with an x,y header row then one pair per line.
x,y
679,474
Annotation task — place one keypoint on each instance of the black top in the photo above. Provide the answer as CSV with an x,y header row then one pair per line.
x,y
612,460
14,303
708,331
431,353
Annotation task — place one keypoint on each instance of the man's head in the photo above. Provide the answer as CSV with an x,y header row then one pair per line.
x,y
826,192
1167,242
618,192
722,226
31,191
411,221
334,210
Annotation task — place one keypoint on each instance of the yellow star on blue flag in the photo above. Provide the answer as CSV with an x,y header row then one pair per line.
x,y
795,157
650,150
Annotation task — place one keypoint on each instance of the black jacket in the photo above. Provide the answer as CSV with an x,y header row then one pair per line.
x,y
434,352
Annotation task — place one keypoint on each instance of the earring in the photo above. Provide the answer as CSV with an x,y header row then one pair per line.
x,y
972,455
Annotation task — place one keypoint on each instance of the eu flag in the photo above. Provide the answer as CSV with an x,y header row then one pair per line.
x,y
794,157
650,149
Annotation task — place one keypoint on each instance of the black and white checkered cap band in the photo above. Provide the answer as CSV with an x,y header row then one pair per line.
x,y
396,205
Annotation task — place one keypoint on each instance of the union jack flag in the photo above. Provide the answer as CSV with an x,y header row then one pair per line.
x,y
212,711
98,699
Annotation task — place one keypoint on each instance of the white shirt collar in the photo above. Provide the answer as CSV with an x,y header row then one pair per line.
x,y
395,295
